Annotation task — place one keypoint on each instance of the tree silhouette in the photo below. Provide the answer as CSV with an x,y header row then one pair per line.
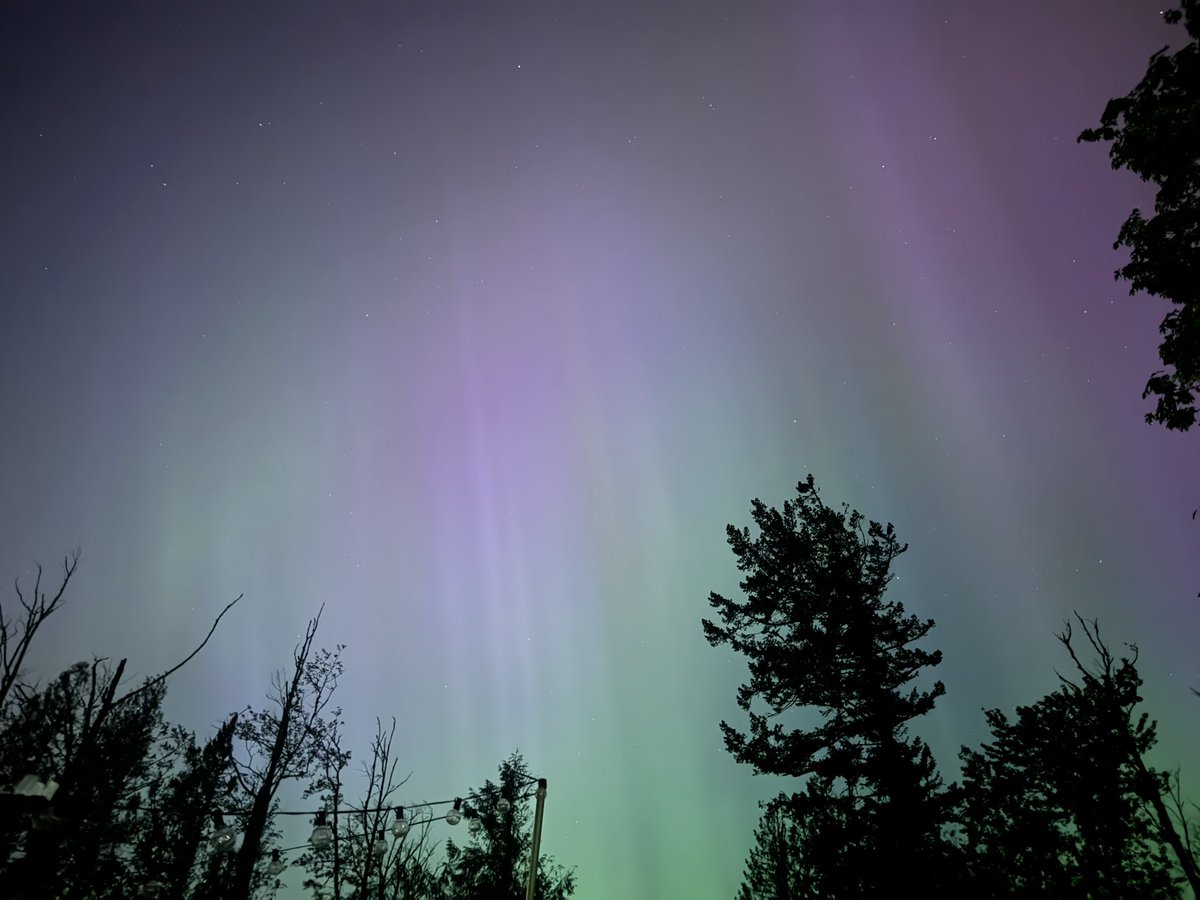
x,y
191,780
1060,803
1154,131
493,863
139,808
780,864
98,745
360,857
17,634
286,741
73,732
833,663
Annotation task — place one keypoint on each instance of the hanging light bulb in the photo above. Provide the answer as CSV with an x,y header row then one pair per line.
x,y
29,786
474,823
322,834
503,806
224,836
400,826
455,815
276,865
379,848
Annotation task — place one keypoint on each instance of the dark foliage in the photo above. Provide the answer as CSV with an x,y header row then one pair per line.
x,y
780,864
829,653
1060,803
138,802
99,750
289,740
190,780
493,864
1054,805
1154,131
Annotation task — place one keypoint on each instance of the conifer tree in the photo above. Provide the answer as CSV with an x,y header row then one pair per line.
x,y
493,861
779,866
832,665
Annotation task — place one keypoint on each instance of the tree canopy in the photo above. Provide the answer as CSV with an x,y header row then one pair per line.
x,y
494,860
1059,803
832,669
1154,131
104,799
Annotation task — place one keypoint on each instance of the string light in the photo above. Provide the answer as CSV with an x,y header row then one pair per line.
x,y
400,826
32,786
322,834
379,846
502,805
224,836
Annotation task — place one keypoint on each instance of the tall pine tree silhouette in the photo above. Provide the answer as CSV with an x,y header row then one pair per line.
x,y
832,666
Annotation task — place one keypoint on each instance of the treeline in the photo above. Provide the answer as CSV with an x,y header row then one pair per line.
x,y
1058,803
102,798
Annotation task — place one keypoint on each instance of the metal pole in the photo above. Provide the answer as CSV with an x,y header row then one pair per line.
x,y
537,839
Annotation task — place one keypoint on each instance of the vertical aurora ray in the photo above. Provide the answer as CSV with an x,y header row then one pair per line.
x,y
478,325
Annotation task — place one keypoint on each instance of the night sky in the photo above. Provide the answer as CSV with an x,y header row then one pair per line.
x,y
477,322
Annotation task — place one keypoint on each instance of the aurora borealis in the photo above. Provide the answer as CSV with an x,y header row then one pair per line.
x,y
477,322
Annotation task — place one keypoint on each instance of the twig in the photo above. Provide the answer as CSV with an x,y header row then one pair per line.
x,y
158,679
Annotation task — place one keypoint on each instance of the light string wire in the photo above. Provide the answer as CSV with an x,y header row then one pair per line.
x,y
346,810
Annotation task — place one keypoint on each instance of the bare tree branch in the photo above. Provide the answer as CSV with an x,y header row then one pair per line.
x,y
290,737
15,637
158,679
1148,785
1175,795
